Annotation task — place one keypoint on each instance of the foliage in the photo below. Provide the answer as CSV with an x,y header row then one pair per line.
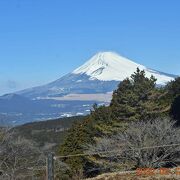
x,y
175,109
174,94
174,88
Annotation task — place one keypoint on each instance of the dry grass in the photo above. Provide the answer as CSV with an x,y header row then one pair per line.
x,y
132,176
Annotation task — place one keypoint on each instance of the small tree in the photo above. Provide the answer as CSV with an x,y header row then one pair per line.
x,y
126,147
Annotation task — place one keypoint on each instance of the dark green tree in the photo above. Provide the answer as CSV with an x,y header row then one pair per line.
x,y
78,135
175,110
138,98
174,98
174,88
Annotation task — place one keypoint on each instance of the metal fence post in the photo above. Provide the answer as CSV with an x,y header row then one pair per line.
x,y
50,167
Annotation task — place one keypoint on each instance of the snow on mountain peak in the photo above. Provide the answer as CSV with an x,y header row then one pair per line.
x,y
109,66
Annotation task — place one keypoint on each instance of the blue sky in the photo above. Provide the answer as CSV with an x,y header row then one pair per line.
x,y
41,40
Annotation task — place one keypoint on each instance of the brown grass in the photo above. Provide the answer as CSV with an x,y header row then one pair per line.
x,y
132,176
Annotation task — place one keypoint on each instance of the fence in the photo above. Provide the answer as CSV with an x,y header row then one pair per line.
x,y
51,158
49,168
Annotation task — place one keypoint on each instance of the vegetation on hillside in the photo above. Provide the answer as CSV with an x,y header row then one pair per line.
x,y
136,99
47,134
23,149
132,148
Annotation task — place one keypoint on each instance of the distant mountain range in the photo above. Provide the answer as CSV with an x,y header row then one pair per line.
x,y
16,109
74,93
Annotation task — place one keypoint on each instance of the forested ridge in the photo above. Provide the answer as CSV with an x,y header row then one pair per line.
x,y
47,132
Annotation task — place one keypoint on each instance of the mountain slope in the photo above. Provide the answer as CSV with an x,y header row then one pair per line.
x,y
70,84
101,74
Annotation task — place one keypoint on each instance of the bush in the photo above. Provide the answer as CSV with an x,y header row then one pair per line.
x,y
125,147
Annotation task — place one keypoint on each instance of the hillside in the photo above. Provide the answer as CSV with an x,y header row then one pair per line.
x,y
47,133
139,116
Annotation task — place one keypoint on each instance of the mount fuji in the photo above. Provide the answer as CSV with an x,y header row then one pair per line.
x,y
101,74
109,66
75,93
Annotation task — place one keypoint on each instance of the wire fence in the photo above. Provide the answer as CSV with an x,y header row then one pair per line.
x,y
50,162
50,168
113,151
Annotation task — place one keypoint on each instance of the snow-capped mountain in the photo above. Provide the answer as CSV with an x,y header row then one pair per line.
x,y
101,74
109,66
74,93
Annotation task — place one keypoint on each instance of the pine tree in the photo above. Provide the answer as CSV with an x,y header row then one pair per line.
x,y
80,134
174,88
175,110
137,98
174,97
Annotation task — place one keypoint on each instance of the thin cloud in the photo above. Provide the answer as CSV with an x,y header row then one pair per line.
x,y
11,84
